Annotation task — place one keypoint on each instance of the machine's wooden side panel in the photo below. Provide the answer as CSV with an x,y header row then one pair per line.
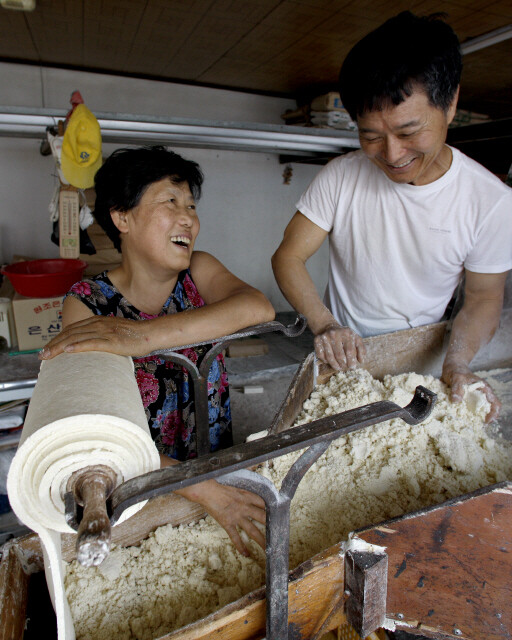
x,y
421,350
418,350
299,390
450,567
168,509
316,597
13,596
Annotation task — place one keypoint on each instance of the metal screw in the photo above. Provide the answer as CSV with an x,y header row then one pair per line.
x,y
498,615
348,592
400,616
457,632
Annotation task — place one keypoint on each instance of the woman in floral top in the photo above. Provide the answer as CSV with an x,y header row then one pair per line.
x,y
165,388
163,295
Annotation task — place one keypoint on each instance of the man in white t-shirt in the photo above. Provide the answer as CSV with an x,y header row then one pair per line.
x,y
407,216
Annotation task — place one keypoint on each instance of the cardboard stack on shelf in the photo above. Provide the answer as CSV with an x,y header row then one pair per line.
x,y
324,111
463,118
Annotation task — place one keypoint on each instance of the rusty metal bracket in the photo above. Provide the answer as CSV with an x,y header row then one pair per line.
x,y
366,579
242,456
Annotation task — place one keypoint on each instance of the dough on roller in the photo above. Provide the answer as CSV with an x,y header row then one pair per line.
x,y
86,410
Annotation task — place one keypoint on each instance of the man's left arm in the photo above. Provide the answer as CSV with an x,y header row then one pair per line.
x,y
473,327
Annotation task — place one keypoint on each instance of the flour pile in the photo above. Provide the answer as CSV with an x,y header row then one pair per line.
x,y
181,574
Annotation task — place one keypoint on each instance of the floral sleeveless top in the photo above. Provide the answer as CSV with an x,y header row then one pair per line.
x,y
166,391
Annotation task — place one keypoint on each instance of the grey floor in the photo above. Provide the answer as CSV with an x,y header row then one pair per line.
x,y
272,373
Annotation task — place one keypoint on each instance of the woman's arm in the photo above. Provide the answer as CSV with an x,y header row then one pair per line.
x,y
231,304
232,508
73,311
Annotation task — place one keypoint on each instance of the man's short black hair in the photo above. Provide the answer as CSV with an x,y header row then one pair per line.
x,y
407,50
124,177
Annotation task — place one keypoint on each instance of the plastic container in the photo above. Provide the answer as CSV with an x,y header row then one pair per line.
x,y
44,278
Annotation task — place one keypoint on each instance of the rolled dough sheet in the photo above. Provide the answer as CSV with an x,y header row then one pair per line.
x,y
86,410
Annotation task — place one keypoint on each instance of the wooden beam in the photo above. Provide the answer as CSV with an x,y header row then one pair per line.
x,y
13,595
316,597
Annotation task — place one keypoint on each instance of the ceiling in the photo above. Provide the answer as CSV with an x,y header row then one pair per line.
x,y
276,47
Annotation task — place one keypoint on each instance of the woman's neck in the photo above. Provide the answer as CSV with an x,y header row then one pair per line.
x,y
144,290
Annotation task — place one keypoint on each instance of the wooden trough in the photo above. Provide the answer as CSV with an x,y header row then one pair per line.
x,y
448,567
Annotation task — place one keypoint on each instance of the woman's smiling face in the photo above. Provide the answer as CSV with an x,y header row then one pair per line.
x,y
163,227
407,141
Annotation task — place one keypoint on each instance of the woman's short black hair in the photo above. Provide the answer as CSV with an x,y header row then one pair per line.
x,y
407,50
124,177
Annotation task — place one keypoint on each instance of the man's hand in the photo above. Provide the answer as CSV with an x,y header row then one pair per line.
x,y
473,327
340,347
102,333
232,508
459,376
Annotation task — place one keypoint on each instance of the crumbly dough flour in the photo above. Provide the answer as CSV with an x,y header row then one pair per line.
x,y
181,574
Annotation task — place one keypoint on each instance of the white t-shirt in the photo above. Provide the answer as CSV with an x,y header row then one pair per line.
x,y
398,251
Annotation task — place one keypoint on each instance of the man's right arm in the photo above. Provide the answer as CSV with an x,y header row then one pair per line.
x,y
339,346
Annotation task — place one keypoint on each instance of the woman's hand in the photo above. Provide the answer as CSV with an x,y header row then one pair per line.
x,y
340,347
102,333
232,508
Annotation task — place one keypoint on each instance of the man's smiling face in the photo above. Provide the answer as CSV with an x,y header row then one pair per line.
x,y
407,141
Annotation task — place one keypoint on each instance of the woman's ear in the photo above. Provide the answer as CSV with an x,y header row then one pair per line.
x,y
119,218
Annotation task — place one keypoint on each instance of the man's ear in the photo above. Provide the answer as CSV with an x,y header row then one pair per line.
x,y
120,219
452,109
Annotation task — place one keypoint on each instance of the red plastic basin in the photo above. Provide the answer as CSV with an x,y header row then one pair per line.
x,y
44,278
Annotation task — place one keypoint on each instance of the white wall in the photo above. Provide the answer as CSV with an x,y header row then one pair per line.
x,y
245,205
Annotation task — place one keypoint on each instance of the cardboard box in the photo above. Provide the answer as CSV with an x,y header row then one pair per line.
x,y
37,320
327,102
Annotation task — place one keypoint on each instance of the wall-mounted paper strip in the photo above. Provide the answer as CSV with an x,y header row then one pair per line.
x,y
86,410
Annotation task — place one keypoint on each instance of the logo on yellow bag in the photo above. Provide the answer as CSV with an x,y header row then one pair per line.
x,y
81,148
